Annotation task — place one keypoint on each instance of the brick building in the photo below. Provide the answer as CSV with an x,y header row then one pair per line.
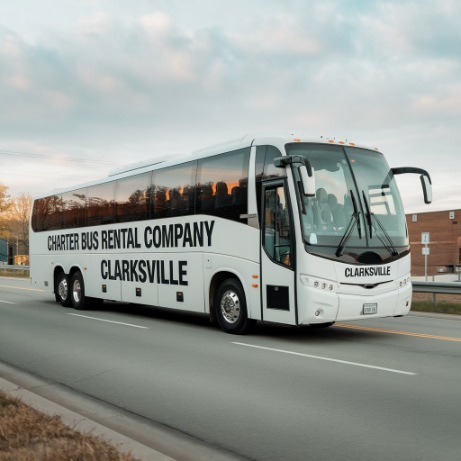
x,y
444,228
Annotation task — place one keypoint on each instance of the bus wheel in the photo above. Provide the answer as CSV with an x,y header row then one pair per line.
x,y
61,290
77,289
230,308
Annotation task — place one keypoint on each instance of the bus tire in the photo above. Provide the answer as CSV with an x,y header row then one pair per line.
x,y
231,309
62,290
77,292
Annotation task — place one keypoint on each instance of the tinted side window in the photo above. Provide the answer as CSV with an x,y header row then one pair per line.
x,y
270,170
73,209
54,221
222,185
173,191
101,204
40,214
265,169
132,198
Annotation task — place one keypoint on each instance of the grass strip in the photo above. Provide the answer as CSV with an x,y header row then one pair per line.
x,y
442,307
28,435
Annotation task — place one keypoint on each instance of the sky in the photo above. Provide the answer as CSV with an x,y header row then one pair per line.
x,y
87,86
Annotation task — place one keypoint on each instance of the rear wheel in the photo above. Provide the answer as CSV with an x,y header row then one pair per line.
x,y
62,290
77,289
77,294
231,309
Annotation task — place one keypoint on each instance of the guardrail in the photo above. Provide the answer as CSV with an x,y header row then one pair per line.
x,y
450,288
16,271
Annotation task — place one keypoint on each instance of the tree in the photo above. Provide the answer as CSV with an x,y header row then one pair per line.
x,y
4,233
15,222
4,198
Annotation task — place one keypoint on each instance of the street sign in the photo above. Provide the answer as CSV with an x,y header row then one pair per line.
x,y
426,251
425,237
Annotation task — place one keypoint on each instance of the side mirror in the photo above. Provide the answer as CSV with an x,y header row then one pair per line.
x,y
306,172
425,180
427,188
307,181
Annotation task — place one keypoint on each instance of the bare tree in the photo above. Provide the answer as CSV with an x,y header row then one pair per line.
x,y
15,222
4,198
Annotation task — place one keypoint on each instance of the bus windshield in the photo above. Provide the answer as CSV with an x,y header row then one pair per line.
x,y
357,208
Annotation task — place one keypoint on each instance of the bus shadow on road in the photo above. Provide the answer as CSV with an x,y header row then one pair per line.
x,y
261,329
308,333
201,320
141,311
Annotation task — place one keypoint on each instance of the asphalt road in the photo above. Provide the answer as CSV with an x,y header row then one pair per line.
x,y
387,389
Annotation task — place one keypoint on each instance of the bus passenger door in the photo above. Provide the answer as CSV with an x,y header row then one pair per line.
x,y
277,256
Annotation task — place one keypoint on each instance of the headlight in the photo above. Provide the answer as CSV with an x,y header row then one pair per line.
x,y
325,285
403,281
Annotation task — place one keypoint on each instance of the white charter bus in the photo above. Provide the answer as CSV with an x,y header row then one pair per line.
x,y
291,230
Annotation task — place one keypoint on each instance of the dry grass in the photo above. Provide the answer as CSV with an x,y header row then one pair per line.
x,y
28,435
445,304
16,273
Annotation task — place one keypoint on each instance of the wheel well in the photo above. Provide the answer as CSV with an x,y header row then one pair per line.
x,y
215,282
59,269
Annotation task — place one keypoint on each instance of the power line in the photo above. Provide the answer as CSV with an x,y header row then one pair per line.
x,y
39,175
57,157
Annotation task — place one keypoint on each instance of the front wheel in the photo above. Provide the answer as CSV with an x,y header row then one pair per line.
x,y
231,309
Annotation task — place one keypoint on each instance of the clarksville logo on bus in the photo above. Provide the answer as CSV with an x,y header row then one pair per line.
x,y
374,271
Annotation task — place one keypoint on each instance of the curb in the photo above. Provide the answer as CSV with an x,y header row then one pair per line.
x,y
82,424
128,432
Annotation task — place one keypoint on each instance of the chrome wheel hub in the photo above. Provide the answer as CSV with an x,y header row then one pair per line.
x,y
63,289
230,306
77,291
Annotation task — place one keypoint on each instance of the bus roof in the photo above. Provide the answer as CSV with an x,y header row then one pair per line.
x,y
245,141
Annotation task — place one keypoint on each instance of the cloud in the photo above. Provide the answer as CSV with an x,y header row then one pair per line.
x,y
103,78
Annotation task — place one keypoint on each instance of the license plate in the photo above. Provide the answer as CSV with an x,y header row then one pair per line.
x,y
370,308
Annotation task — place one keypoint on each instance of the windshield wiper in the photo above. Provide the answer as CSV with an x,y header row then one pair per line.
x,y
389,245
354,221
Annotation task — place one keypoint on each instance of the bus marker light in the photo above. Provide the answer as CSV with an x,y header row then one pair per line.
x,y
255,276
254,285
138,292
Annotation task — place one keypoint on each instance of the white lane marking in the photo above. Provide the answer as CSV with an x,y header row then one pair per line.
x,y
110,321
328,359
21,288
6,302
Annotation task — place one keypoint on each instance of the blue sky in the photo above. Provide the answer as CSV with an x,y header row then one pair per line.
x,y
89,85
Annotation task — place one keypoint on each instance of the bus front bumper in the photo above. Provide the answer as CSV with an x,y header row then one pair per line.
x,y
317,305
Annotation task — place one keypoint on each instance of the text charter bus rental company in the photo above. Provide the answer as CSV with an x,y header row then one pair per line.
x,y
291,230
